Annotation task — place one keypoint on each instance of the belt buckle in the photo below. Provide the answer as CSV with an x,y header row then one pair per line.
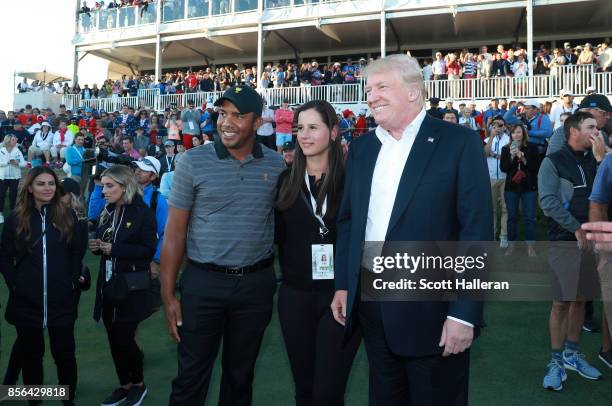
x,y
235,270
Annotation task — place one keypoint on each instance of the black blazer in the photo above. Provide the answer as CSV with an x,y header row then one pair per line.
x,y
133,250
444,195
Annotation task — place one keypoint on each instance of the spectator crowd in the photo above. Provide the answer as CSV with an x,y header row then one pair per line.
x,y
520,138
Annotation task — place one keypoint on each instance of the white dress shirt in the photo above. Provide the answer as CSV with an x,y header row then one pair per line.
x,y
386,178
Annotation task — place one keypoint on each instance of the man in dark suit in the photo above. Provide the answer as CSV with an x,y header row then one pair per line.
x,y
414,178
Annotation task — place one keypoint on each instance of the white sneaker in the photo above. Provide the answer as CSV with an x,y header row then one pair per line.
x,y
503,242
1,218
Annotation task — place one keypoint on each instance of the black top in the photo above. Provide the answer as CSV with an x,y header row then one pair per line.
x,y
133,250
296,229
511,166
42,272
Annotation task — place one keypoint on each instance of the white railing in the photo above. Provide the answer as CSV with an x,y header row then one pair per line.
x,y
574,80
602,82
74,102
120,17
148,98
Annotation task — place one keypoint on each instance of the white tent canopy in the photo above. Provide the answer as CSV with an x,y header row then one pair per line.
x,y
44,76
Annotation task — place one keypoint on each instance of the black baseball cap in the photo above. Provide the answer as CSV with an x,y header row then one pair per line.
x,y
71,186
596,101
288,146
434,100
244,98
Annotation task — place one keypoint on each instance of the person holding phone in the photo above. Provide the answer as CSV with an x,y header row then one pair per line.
x,y
126,292
520,163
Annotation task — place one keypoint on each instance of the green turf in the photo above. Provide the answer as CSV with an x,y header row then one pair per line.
x,y
507,364
506,369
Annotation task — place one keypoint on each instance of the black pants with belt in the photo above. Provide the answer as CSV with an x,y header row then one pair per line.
x,y
218,306
127,356
31,348
320,362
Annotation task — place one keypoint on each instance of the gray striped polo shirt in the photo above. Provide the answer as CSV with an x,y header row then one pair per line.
x,y
231,203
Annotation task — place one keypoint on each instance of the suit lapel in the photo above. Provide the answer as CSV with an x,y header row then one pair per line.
x,y
367,171
420,154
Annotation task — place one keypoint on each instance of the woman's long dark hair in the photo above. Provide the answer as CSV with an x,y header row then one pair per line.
x,y
61,217
332,183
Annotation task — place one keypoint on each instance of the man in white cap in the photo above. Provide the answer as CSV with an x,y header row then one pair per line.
x,y
539,127
41,145
590,90
567,105
146,171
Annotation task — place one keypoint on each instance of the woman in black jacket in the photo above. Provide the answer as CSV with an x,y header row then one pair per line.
x,y
42,249
309,196
519,157
126,239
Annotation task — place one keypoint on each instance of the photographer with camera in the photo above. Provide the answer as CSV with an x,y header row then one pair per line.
x,y
127,293
497,139
539,127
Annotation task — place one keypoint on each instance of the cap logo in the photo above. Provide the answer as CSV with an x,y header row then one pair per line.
x,y
237,90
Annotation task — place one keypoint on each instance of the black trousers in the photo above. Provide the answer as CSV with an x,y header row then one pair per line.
x,y
31,348
320,362
13,368
217,306
127,356
415,381
10,185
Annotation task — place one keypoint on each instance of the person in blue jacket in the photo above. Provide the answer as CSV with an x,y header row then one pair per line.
x,y
539,127
146,171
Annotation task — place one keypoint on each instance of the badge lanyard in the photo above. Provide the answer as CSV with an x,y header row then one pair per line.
x,y
323,230
110,264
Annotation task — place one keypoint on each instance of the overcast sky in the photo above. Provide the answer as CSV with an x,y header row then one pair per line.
x,y
37,34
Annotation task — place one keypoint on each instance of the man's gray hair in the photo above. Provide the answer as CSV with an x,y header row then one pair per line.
x,y
407,68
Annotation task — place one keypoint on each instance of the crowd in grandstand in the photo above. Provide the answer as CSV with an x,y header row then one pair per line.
x,y
528,146
463,64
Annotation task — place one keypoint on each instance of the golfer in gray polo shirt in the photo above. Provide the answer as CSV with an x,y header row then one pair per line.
x,y
221,217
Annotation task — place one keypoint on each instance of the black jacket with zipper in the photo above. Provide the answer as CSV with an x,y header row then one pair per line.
x,y
132,251
42,272
511,166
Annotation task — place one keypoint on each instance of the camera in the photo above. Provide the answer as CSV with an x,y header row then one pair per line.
x,y
103,155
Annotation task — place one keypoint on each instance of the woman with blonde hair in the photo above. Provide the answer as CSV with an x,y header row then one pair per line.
x,y
42,250
11,162
126,292
587,56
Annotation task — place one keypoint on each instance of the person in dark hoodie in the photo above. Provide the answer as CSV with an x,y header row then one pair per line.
x,y
42,250
126,292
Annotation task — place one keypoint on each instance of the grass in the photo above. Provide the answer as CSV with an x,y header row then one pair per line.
x,y
508,361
